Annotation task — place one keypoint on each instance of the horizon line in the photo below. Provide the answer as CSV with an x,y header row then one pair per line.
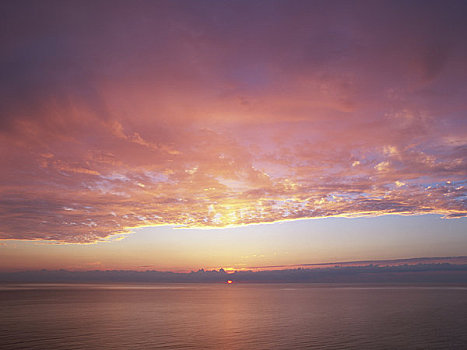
x,y
455,260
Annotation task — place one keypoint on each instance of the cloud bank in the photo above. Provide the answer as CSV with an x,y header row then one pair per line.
x,y
116,115
424,270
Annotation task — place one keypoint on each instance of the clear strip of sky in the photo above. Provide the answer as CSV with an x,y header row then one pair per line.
x,y
278,244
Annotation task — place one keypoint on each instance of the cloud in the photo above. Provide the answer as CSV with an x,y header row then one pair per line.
x,y
433,270
211,115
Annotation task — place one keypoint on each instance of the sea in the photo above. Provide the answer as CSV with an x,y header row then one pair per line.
x,y
232,316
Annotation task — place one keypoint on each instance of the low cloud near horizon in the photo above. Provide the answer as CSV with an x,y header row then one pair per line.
x,y
118,114
425,270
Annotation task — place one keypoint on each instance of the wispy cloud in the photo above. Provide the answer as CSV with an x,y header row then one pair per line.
x,y
223,113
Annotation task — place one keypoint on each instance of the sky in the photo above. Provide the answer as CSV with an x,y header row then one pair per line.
x,y
174,135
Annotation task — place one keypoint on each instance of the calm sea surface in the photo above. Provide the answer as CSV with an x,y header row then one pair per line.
x,y
237,316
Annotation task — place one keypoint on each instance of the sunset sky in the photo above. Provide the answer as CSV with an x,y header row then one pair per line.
x,y
177,135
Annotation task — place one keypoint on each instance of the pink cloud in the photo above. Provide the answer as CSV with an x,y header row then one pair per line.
x,y
209,117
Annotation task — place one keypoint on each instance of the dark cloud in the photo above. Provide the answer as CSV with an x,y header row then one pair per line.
x,y
425,270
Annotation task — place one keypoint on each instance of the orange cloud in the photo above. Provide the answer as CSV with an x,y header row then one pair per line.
x,y
207,118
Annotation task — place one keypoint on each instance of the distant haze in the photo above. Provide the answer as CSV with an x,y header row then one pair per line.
x,y
437,270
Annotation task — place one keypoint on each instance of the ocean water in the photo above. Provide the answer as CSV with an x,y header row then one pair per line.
x,y
236,316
